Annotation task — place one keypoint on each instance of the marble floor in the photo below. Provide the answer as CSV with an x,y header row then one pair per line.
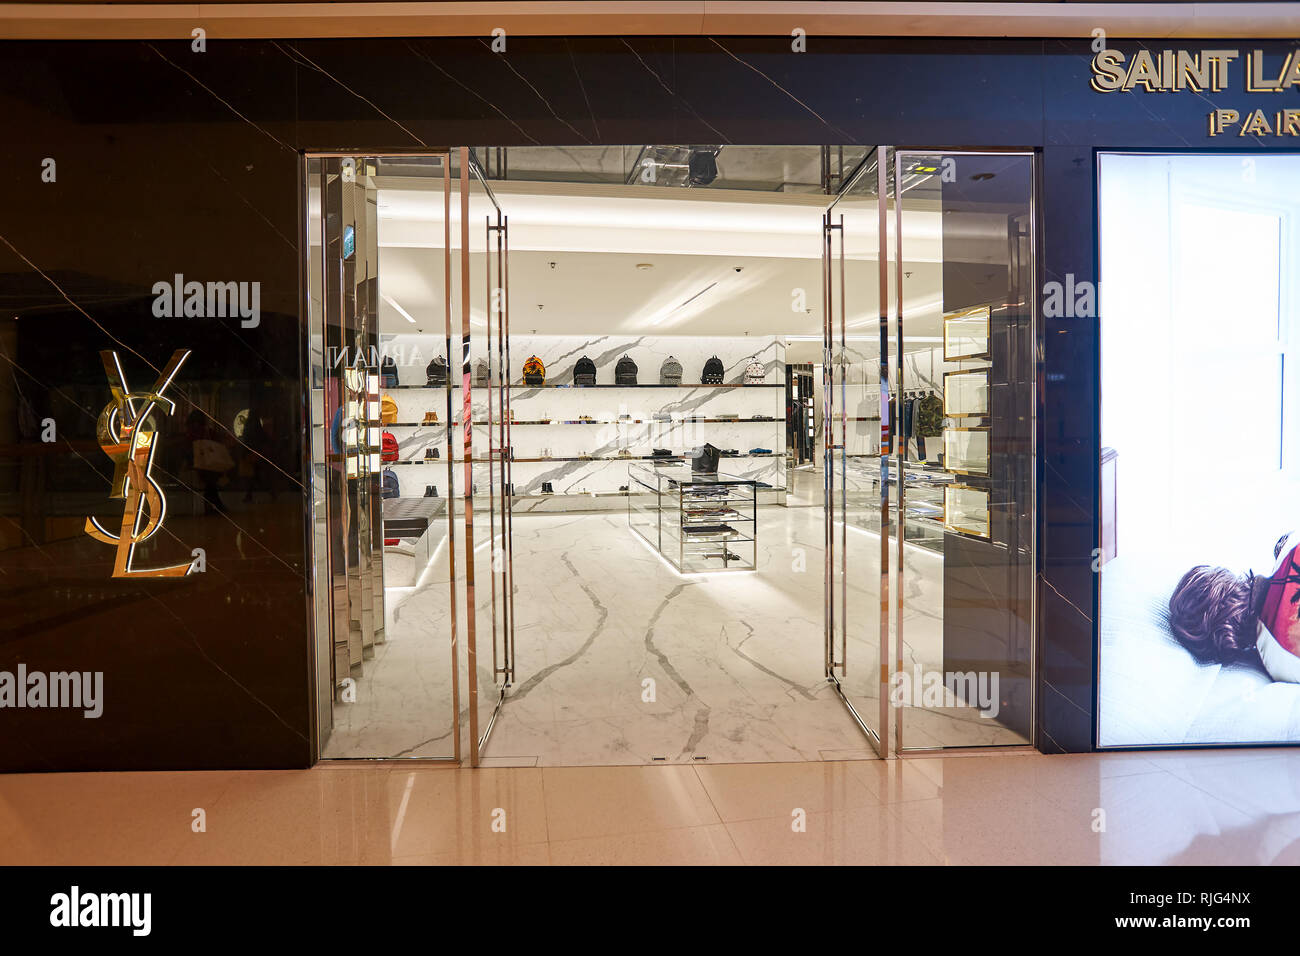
x,y
619,659
1153,808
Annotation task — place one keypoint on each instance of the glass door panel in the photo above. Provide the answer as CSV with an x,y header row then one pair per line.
x,y
964,455
385,598
856,425
483,423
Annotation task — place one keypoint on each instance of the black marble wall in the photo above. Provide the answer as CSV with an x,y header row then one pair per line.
x,y
169,161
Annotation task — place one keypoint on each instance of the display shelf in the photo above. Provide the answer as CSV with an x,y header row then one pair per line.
x,y
966,334
610,421
694,520
520,386
966,393
966,451
966,511
628,458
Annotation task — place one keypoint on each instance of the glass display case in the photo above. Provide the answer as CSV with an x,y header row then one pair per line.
x,y
966,334
696,522
966,510
966,451
966,394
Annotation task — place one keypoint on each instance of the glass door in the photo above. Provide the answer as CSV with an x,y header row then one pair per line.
x,y
384,570
963,449
484,425
856,446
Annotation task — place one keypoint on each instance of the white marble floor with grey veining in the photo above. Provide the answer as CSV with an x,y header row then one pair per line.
x,y
621,660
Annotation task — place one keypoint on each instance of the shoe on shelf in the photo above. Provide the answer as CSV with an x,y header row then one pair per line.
x,y
431,454
430,418
430,491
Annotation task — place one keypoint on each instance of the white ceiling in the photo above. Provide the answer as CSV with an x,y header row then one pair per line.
x,y
720,262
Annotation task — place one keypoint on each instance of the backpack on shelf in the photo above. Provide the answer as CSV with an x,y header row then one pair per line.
x,y
755,372
435,372
670,373
387,411
389,448
584,372
481,373
713,372
391,488
388,371
534,371
625,372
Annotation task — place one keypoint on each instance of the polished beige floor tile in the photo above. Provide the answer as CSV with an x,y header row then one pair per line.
x,y
483,854
865,836
583,802
891,781
295,817
688,846
465,813
102,818
999,832
750,791
1211,807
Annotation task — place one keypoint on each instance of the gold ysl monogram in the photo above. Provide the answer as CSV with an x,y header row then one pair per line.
x,y
131,448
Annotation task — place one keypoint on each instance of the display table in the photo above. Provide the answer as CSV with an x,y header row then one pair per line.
x,y
697,522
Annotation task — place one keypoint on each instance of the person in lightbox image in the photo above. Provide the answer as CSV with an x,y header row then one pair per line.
x,y
1225,618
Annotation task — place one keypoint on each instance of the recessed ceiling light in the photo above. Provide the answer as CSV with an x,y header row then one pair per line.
x,y
645,266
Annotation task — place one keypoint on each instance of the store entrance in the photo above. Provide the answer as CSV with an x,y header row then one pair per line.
x,y
679,411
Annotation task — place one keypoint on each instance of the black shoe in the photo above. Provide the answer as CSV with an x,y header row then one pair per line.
x,y
431,453
430,491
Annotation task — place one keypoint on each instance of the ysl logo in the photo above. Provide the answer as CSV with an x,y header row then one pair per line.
x,y
131,448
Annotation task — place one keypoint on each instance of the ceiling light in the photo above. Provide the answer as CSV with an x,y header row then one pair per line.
x,y
644,266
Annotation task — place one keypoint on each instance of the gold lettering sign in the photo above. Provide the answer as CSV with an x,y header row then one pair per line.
x,y
1199,71
130,447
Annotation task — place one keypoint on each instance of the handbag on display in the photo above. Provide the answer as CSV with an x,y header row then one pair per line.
x,y
435,373
388,371
534,371
387,411
704,460
584,372
670,373
713,371
389,450
625,372
755,372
